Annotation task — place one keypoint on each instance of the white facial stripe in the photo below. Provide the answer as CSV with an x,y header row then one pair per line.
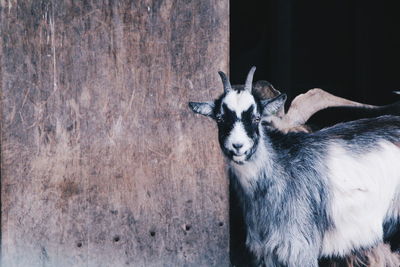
x,y
238,102
238,135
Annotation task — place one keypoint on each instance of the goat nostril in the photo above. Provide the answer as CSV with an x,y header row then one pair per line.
x,y
237,146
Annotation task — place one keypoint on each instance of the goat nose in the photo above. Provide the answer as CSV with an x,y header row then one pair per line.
x,y
237,146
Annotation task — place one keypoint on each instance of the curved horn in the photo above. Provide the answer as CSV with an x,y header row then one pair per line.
x,y
314,100
225,81
249,80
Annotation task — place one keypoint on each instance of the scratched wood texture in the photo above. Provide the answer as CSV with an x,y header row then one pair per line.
x,y
102,162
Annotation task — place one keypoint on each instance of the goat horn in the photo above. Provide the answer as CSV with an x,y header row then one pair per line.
x,y
249,80
225,81
306,105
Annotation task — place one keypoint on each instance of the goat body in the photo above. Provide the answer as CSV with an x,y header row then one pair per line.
x,y
307,196
323,194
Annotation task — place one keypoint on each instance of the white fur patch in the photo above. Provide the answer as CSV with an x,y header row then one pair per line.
x,y
363,189
239,102
248,172
238,135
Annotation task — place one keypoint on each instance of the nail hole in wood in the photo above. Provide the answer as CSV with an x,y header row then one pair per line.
x,y
79,244
221,224
152,233
116,239
188,227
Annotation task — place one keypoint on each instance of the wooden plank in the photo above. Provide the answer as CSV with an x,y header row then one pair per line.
x,y
102,162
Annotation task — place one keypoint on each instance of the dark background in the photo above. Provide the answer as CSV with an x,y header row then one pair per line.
x,y
348,48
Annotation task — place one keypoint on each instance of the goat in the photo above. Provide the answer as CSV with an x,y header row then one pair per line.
x,y
307,196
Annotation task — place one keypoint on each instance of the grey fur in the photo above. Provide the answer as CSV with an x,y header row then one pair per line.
x,y
286,210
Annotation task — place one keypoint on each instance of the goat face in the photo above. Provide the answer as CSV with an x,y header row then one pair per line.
x,y
238,113
238,117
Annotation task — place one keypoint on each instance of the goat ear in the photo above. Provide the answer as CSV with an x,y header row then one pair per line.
x,y
265,90
203,108
274,105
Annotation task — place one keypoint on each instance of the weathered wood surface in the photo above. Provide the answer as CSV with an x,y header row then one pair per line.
x,y
102,162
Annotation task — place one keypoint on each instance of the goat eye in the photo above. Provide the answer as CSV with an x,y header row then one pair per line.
x,y
256,119
219,118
